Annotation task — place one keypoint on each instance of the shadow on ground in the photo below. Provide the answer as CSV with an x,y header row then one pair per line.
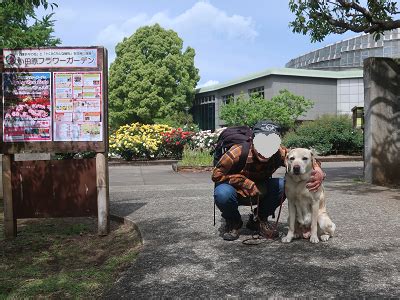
x,y
190,265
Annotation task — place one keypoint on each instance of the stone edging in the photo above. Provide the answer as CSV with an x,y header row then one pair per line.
x,y
177,168
129,222
117,162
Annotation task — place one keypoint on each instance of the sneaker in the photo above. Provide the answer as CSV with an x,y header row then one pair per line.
x,y
267,230
252,224
232,230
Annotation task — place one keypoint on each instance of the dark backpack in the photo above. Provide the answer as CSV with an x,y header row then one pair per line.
x,y
242,135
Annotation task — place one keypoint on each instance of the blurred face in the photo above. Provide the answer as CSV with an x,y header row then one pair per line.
x,y
266,145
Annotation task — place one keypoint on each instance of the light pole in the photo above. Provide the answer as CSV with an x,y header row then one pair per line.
x,y
187,114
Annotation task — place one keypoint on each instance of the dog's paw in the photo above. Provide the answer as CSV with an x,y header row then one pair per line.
x,y
286,239
314,239
325,237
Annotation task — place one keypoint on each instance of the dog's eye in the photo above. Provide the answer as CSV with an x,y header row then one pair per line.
x,y
291,158
305,158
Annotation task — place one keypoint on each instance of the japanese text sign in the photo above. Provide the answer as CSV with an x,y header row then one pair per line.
x,y
50,58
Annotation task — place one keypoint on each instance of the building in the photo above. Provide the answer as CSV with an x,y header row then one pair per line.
x,y
332,92
330,76
349,53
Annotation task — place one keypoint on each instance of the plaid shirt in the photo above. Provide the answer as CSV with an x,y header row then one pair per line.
x,y
254,172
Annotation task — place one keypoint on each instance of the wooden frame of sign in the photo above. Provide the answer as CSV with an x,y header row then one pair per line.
x,y
77,62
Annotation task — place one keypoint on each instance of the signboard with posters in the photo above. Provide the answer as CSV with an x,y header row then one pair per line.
x,y
54,100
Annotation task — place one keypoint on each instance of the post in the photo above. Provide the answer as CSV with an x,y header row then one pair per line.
x,y
10,223
382,122
103,198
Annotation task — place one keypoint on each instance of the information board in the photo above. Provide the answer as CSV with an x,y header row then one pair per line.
x,y
54,100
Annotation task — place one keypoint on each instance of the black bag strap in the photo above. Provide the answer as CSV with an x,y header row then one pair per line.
x,y
242,159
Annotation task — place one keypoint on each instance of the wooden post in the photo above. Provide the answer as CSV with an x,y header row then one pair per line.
x,y
103,198
10,223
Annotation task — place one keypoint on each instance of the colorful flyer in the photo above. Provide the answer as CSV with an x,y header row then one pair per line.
x,y
27,107
78,114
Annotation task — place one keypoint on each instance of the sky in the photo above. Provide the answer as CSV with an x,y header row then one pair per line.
x,y
232,38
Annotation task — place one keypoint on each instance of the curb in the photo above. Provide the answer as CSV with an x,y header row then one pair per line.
x,y
112,162
129,222
177,168
339,158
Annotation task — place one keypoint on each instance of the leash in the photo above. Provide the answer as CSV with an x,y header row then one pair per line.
x,y
257,238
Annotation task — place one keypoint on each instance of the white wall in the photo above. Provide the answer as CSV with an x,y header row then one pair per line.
x,y
350,93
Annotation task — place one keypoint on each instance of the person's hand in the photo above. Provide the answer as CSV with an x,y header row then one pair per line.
x,y
254,191
315,181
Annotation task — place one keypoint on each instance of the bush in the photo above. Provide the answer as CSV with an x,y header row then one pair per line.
x,y
135,141
327,135
205,140
173,142
283,109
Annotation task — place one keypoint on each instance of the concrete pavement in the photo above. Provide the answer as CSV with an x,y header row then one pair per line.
x,y
184,256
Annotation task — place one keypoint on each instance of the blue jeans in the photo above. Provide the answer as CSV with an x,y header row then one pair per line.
x,y
228,200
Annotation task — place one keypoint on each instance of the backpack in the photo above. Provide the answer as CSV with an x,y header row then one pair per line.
x,y
242,135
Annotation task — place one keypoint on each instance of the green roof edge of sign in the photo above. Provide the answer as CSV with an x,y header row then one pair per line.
x,y
353,73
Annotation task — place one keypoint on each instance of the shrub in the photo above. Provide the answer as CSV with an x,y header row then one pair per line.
x,y
173,142
327,135
205,140
283,109
135,141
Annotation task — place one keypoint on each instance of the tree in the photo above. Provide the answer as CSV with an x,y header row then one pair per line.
x,y
283,109
15,31
321,18
151,77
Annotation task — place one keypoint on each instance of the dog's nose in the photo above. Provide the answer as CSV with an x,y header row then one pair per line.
x,y
296,169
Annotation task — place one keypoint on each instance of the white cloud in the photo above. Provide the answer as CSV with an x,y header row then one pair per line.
x,y
208,83
65,14
201,20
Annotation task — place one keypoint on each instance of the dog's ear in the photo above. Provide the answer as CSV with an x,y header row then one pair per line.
x,y
286,162
313,161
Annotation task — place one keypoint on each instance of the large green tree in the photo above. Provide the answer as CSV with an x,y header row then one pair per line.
x,y
151,78
283,109
17,30
321,18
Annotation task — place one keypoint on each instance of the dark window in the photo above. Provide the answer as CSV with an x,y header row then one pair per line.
x,y
258,91
227,98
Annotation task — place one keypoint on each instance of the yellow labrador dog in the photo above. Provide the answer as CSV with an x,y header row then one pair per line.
x,y
307,209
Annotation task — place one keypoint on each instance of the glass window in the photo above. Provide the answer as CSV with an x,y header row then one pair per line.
x,y
227,98
351,44
257,91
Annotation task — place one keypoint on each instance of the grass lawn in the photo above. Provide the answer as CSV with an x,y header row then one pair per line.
x,y
196,158
63,258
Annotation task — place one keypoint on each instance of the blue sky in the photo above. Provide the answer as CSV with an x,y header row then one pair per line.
x,y
232,38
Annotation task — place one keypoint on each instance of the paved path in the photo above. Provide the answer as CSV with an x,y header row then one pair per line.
x,y
185,257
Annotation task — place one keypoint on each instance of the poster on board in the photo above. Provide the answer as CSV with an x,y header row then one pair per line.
x,y
27,107
78,114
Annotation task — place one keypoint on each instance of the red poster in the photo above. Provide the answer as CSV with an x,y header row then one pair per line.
x,y
27,107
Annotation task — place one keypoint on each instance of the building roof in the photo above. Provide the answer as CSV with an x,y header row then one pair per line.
x,y
285,72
